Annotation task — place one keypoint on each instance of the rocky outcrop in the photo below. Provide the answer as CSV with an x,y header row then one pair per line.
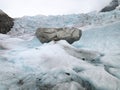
x,y
46,35
113,4
6,22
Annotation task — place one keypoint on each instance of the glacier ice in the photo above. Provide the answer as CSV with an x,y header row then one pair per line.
x,y
92,63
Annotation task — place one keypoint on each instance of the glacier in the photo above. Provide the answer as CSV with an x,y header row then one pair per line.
x,y
92,63
28,24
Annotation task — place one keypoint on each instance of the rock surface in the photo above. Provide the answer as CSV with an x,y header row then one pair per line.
x,y
113,4
6,22
46,35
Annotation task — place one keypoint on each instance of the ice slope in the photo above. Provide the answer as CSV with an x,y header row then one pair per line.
x,y
103,38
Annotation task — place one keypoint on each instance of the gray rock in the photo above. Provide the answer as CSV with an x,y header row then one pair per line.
x,y
113,4
6,22
46,35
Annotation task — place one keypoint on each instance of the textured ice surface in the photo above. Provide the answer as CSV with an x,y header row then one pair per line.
x,y
92,63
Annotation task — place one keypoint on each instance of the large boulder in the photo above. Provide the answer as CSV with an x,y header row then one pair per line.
x,y
46,35
113,4
6,22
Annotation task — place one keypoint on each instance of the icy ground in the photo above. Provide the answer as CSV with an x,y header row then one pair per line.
x,y
92,63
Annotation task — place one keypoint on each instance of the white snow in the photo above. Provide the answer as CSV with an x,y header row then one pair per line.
x,y
91,63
